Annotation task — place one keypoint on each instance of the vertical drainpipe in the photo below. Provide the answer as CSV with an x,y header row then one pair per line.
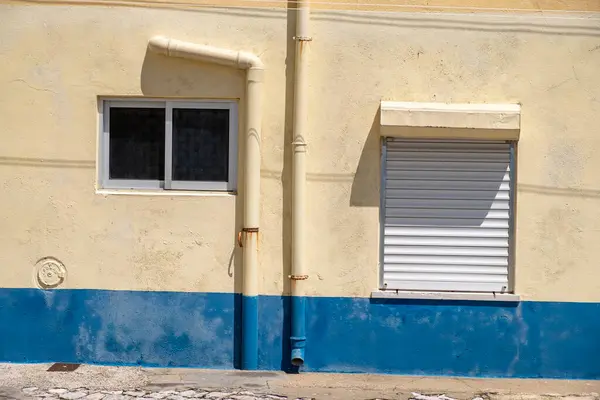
x,y
248,237
298,275
251,219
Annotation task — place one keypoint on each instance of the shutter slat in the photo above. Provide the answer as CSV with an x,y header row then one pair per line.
x,y
482,204
446,222
446,194
428,155
485,176
446,213
438,277
447,251
445,260
390,240
458,232
466,186
448,166
447,210
445,269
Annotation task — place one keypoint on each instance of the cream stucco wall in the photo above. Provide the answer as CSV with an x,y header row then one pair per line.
x,y
57,60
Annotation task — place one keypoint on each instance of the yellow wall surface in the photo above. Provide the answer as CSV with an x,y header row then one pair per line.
x,y
58,58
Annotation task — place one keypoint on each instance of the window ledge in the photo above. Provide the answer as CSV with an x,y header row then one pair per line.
x,y
161,192
478,296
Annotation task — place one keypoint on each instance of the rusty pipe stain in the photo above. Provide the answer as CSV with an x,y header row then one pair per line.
x,y
298,277
245,234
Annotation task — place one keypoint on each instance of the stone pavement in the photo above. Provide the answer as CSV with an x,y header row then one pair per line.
x,y
29,381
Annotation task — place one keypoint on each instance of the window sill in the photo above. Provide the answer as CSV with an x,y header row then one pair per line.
x,y
477,296
161,192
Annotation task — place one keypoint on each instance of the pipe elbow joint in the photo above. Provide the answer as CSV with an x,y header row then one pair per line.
x,y
160,45
250,61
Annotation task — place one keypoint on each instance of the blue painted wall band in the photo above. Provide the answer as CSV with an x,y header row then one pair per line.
x,y
249,332
173,329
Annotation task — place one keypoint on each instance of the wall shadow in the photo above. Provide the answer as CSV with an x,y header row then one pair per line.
x,y
416,201
444,303
286,183
176,77
167,77
366,182
47,163
558,191
429,192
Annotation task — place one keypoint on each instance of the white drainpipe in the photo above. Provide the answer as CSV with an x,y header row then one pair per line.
x,y
298,273
248,238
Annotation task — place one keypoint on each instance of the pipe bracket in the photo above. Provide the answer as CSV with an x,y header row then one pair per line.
x,y
303,38
298,341
298,277
245,230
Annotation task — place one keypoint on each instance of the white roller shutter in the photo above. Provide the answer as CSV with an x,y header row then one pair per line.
x,y
446,215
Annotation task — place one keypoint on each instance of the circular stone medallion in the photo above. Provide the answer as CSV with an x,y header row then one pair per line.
x,y
50,273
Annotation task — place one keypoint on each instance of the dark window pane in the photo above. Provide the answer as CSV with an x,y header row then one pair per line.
x,y
137,143
200,145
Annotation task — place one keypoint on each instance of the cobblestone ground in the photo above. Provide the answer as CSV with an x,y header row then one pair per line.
x,y
88,382
184,394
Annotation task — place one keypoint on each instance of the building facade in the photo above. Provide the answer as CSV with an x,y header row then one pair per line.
x,y
449,224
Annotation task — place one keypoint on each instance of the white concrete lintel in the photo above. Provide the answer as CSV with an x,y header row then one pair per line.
x,y
478,296
472,121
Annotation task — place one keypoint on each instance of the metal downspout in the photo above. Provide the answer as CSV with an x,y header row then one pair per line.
x,y
248,237
298,273
250,231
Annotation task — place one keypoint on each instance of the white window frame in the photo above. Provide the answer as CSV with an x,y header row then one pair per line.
x,y
168,184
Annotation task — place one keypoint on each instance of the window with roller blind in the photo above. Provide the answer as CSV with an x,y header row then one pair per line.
x,y
447,212
168,145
